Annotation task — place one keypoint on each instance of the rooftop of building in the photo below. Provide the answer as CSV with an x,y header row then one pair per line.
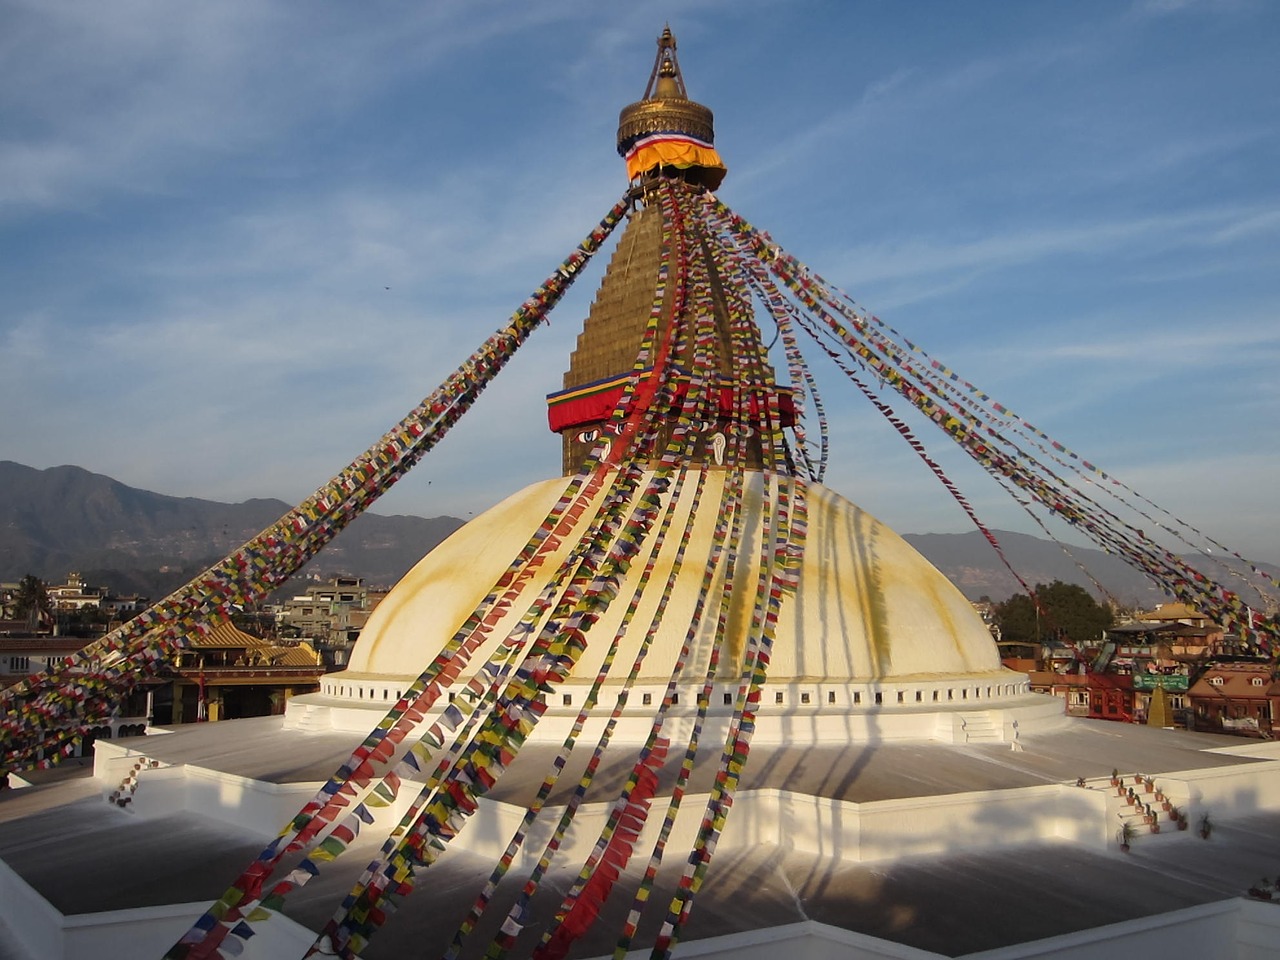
x,y
955,902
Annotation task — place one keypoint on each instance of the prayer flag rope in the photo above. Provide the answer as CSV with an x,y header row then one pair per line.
x,y
986,443
344,938
74,692
677,452
745,263
323,514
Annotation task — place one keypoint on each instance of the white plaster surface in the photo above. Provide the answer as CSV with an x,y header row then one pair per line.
x,y
887,844
868,605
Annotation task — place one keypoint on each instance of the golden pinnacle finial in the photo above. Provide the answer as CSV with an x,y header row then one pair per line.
x,y
666,113
666,70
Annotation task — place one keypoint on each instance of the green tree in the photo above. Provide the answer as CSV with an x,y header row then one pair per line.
x,y
1016,618
1068,612
31,601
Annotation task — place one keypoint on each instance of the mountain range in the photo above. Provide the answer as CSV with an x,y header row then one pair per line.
x,y
132,541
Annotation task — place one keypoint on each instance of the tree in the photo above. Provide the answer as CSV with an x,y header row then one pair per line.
x,y
31,602
1067,612
1016,618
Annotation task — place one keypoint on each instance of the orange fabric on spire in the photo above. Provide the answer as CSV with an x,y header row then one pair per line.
x,y
670,150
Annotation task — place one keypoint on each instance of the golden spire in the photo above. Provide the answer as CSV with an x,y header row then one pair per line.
x,y
663,135
667,132
667,71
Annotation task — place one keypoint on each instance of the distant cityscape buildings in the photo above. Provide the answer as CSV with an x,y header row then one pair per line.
x,y
246,668
330,615
1169,666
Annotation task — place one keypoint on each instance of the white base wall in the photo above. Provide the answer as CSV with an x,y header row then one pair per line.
x,y
882,830
819,825
45,934
827,827
1228,930
1003,717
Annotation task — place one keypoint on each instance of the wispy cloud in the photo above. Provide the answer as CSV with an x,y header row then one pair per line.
x,y
125,96
202,210
1173,350
925,257
1160,8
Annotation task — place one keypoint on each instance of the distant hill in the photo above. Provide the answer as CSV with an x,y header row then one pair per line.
x,y
62,519
133,541
969,561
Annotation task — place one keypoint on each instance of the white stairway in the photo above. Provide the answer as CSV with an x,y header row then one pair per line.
x,y
979,727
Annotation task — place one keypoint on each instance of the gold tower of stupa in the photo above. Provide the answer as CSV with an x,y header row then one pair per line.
x,y
664,135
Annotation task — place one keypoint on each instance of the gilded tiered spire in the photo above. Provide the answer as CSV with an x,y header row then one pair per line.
x,y
667,132
665,136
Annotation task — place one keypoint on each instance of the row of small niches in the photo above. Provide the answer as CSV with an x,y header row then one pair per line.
x,y
806,697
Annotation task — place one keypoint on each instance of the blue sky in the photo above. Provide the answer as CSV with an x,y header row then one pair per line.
x,y
239,240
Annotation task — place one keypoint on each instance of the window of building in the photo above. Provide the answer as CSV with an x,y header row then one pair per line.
x,y
675,698
646,699
919,696
879,698
804,698
777,696
728,699
831,696
857,697
568,699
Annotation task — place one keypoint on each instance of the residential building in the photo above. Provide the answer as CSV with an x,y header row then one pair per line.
x,y
75,594
330,616
1235,697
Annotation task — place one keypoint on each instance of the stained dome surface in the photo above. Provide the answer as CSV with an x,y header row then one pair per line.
x,y
868,606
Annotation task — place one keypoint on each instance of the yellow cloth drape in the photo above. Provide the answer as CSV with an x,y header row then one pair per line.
x,y
672,152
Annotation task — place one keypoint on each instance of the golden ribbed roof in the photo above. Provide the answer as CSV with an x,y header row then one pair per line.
x,y
227,636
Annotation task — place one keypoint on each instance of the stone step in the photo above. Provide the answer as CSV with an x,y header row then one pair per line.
x,y
1120,812
980,728
309,719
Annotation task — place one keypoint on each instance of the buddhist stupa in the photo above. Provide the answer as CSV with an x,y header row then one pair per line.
x,y
873,631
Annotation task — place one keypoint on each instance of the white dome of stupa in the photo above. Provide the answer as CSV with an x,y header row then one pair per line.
x,y
868,606
872,628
